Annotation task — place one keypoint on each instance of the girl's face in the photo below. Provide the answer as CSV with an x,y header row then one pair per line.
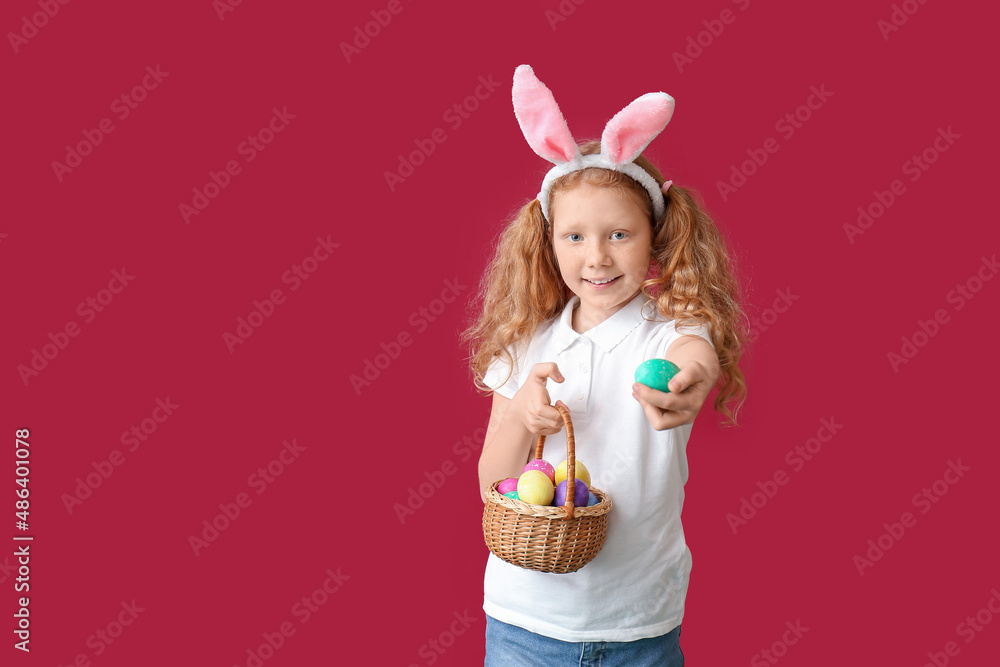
x,y
600,236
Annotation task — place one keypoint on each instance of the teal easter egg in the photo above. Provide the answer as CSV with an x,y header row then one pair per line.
x,y
656,373
512,494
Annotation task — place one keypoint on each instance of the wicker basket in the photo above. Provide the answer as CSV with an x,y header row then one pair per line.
x,y
547,539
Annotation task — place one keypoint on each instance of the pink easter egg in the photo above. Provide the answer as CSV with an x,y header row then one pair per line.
x,y
508,485
544,466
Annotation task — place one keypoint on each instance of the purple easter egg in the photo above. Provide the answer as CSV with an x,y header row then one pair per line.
x,y
592,500
544,466
508,485
580,495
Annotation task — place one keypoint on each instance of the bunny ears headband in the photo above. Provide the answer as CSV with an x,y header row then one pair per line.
x,y
624,138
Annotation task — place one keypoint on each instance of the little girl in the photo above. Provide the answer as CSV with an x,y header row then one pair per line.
x,y
610,266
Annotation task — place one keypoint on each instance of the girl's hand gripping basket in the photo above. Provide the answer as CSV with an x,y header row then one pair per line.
x,y
547,539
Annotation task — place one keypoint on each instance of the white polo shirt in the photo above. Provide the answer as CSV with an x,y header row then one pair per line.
x,y
635,587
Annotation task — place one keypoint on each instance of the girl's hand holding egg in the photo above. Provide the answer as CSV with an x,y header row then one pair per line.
x,y
666,408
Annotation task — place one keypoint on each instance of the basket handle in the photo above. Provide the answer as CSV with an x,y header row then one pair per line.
x,y
570,460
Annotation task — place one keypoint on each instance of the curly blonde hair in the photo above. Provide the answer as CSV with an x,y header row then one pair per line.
x,y
522,287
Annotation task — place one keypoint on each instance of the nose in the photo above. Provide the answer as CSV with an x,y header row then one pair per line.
x,y
597,253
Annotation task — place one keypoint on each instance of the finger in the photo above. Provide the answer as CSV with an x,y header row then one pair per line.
x,y
660,399
667,401
662,420
545,429
553,417
662,413
691,374
547,370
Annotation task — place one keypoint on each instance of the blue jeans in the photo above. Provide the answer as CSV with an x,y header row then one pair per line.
x,y
511,646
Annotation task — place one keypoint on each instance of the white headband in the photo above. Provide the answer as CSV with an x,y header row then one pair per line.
x,y
625,136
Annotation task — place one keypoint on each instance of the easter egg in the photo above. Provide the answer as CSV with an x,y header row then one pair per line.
x,y
581,472
581,494
592,500
544,466
512,494
535,487
656,373
506,486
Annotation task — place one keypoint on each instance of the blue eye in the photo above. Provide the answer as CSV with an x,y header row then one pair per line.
x,y
621,237
572,235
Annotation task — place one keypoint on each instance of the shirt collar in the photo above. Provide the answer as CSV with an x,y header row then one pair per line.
x,y
609,333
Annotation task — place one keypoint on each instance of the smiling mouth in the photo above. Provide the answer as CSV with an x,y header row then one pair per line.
x,y
602,282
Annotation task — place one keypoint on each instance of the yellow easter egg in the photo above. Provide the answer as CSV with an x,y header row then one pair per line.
x,y
582,473
535,487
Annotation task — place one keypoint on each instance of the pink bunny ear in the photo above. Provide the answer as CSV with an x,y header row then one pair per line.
x,y
630,131
541,121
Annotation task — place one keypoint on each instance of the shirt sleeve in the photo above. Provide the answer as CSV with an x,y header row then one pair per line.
x,y
670,332
495,374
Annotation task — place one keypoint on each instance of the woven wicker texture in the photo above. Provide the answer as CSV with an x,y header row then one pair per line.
x,y
547,539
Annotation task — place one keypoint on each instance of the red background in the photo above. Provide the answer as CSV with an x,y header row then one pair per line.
x,y
324,176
